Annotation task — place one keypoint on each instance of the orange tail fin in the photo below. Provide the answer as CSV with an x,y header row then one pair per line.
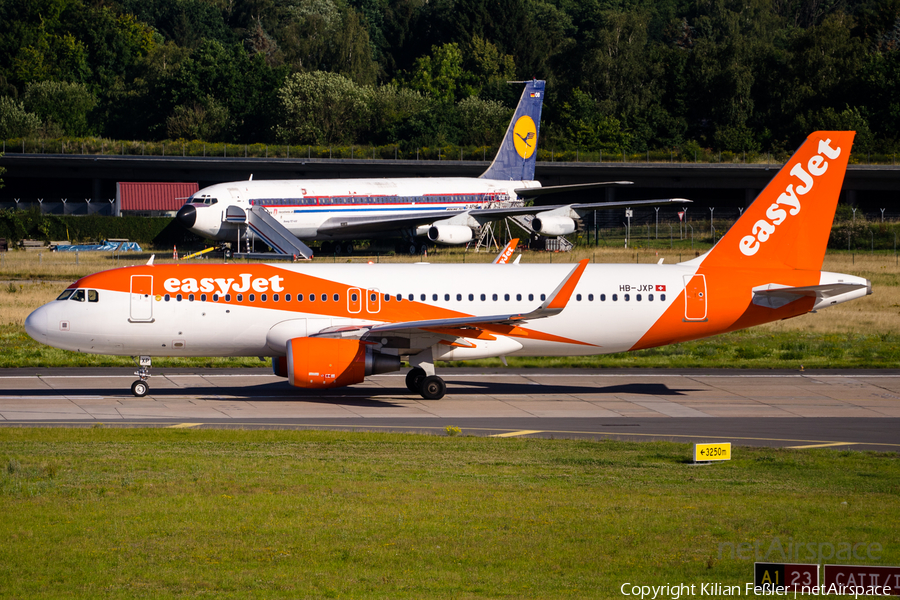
x,y
788,224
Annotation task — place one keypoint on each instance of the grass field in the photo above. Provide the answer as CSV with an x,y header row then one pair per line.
x,y
863,333
141,513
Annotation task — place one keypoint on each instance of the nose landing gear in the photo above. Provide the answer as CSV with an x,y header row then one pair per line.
x,y
140,387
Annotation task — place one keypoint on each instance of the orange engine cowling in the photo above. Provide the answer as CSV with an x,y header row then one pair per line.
x,y
329,362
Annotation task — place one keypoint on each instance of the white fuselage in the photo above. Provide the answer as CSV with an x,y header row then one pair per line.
x,y
303,206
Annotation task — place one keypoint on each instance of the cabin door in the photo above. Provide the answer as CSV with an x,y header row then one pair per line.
x,y
141,298
695,298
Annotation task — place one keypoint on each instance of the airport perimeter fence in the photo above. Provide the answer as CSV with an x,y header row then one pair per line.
x,y
689,153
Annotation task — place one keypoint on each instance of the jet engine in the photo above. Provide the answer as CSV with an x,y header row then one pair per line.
x,y
328,362
450,234
553,225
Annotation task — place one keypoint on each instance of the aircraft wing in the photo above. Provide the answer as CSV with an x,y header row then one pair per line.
x,y
553,305
500,213
371,225
775,296
561,189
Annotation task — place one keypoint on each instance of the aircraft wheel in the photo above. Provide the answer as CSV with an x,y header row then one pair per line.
x,y
433,388
140,388
413,249
414,379
422,247
347,249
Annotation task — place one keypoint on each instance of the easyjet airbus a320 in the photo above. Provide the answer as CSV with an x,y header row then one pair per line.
x,y
330,325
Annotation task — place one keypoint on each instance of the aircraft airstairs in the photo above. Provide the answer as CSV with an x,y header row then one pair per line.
x,y
269,230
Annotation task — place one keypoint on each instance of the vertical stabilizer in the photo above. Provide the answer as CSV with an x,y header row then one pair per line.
x,y
518,152
789,223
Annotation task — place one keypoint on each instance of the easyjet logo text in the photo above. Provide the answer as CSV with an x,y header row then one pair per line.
x,y
244,283
789,201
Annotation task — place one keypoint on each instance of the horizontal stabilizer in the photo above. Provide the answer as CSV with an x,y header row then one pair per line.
x,y
773,295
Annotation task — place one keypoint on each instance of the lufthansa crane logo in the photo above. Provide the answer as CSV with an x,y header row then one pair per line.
x,y
525,136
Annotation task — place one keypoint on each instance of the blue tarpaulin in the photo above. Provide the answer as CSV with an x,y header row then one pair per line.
x,y
106,246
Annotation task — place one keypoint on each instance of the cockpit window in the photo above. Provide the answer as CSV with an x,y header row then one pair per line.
x,y
78,296
93,296
65,295
210,200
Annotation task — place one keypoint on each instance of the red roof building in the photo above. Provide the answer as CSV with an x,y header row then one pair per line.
x,y
152,199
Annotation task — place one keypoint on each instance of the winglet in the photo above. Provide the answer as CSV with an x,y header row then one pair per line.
x,y
560,296
507,252
150,262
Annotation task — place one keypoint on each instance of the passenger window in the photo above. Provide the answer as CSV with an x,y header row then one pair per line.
x,y
324,297
506,297
638,297
299,297
78,296
483,297
459,297
312,298
215,297
543,297
252,297
263,297
179,297
530,297
602,297
627,297
287,297
399,297
411,297
590,297
65,295
227,297
519,297
494,297
387,297
662,297
422,297
93,296
578,297
615,297
336,297
353,297
446,297
202,297
167,297
471,297
240,298
650,297
434,297
190,297
274,297
373,297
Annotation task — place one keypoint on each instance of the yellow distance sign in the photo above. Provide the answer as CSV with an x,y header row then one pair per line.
x,y
708,452
525,136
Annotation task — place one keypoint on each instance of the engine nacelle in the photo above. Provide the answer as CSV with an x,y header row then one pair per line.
x,y
329,362
553,225
280,366
450,234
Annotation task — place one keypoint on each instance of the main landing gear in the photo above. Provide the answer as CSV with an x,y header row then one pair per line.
x,y
421,378
140,387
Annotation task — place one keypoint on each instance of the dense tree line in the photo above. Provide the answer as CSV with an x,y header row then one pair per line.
x,y
748,75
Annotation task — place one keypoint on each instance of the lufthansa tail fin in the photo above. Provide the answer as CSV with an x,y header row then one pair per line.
x,y
788,224
518,152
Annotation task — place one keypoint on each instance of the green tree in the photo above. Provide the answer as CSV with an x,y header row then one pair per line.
x,y
63,107
15,121
440,74
483,121
322,108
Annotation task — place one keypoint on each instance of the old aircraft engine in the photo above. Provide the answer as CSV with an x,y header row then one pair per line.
x,y
553,225
450,234
329,362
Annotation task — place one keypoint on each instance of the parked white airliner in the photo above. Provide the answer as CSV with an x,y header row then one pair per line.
x,y
328,325
448,210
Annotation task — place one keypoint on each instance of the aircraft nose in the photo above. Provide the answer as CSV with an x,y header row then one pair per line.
x,y
36,325
187,215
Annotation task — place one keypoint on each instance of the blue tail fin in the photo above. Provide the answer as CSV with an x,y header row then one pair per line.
x,y
518,152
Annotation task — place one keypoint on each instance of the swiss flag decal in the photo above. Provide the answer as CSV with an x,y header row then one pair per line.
x,y
660,288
